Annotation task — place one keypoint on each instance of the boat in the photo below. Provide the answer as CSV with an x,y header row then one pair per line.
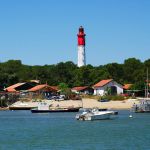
x,y
95,114
21,106
142,107
46,108
144,103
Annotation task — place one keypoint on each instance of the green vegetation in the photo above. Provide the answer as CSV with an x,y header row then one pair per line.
x,y
113,97
64,90
131,71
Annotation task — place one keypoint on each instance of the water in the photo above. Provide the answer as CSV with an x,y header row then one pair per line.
x,y
22,130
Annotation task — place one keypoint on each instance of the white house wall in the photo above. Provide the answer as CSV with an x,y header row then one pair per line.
x,y
79,92
101,90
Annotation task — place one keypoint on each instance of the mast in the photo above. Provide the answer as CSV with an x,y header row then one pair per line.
x,y
147,84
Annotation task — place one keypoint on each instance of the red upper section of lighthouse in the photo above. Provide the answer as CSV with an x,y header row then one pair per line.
x,y
81,36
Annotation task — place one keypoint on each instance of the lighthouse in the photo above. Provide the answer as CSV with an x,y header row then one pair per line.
x,y
81,47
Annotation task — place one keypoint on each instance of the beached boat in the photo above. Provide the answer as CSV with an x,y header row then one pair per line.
x,y
95,114
46,108
20,106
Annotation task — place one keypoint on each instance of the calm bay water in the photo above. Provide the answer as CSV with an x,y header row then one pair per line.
x,y
22,130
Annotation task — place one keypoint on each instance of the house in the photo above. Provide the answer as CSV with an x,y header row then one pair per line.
x,y
43,89
82,90
107,86
128,91
127,86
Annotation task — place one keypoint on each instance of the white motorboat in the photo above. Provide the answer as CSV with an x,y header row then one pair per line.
x,y
95,114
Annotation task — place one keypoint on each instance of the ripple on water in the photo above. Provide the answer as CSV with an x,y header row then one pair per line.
x,y
60,131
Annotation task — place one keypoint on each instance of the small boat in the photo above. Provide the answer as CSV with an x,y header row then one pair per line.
x,y
95,114
142,107
46,108
20,106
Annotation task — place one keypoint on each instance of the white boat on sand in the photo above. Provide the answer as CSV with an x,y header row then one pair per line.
x,y
95,114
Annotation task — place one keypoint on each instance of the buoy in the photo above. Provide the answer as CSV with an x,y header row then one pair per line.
x,y
130,116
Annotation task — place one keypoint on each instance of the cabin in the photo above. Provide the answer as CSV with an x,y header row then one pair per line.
x,y
108,86
128,91
127,86
82,90
45,90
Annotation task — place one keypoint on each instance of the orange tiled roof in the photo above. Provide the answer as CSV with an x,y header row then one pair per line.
x,y
127,86
40,87
79,88
103,82
55,88
12,87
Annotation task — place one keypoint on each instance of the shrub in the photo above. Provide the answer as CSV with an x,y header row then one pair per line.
x,y
113,97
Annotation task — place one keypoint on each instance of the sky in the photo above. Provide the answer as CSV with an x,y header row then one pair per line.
x,y
40,32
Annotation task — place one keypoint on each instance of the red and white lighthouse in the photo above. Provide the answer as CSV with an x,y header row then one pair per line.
x,y
81,47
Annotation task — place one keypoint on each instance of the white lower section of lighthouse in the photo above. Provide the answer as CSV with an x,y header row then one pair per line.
x,y
81,56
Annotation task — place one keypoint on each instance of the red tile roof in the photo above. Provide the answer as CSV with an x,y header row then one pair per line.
x,y
102,83
12,87
40,87
79,88
55,88
127,86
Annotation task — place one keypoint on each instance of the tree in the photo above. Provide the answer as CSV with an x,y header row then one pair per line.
x,y
63,87
131,66
115,71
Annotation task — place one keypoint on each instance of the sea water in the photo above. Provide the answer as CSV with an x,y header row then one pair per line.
x,y
22,130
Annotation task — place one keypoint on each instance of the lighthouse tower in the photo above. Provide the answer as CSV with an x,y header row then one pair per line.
x,y
81,47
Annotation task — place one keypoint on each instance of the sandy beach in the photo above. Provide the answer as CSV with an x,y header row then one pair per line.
x,y
85,103
126,104
90,103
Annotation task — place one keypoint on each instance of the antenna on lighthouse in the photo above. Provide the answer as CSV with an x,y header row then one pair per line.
x,y
81,47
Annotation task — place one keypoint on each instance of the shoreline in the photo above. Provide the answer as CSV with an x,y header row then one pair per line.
x,y
85,103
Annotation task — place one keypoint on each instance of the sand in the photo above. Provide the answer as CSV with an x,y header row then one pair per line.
x,y
90,103
126,104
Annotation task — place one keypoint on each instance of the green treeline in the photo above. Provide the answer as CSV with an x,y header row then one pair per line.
x,y
131,71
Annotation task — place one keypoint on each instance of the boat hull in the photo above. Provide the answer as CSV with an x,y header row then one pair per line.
x,y
20,108
103,115
100,117
142,111
55,110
